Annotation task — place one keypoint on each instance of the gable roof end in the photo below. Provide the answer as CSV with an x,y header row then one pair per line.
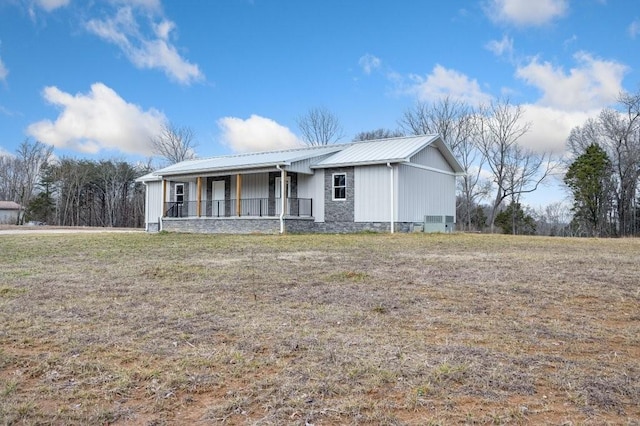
x,y
393,150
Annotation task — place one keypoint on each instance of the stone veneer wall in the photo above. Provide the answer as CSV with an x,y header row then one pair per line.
x,y
272,226
340,210
236,225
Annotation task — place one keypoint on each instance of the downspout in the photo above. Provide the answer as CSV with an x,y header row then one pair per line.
x,y
146,207
391,195
283,195
164,203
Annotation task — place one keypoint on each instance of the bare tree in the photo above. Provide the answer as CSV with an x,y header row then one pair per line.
x,y
377,134
175,144
516,170
617,132
19,174
449,118
319,126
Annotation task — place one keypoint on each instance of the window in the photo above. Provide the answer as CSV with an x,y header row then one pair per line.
x,y
180,193
339,186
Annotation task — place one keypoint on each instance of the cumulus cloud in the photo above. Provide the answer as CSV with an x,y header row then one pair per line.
x,y
550,127
526,12
256,133
143,50
593,83
96,121
501,47
369,63
634,28
443,82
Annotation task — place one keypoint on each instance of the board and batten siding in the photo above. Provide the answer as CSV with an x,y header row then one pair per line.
x,y
254,185
372,193
431,157
154,208
424,192
312,186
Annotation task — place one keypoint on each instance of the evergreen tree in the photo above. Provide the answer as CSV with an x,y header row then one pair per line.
x,y
590,179
514,220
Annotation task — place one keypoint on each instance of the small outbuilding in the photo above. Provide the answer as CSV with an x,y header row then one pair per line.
x,y
397,184
10,212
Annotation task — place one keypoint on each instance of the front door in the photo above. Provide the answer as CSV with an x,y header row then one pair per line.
x,y
218,198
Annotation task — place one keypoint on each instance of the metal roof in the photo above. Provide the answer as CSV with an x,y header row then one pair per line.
x,y
379,151
248,160
9,205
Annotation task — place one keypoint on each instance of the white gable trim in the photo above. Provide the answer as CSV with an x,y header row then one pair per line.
x,y
432,169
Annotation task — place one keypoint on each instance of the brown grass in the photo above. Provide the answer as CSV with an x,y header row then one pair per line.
x,y
325,329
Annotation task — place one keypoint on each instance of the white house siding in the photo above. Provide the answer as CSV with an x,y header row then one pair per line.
x,y
372,193
9,216
154,205
431,157
424,192
254,186
312,186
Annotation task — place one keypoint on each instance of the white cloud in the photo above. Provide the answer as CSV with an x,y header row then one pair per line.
x,y
550,127
144,51
150,5
634,28
369,63
444,82
50,5
96,121
592,84
526,12
256,133
4,72
501,47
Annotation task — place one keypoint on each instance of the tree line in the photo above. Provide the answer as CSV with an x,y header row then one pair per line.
x,y
72,192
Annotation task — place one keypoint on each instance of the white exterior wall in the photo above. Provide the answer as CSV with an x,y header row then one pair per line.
x,y
372,196
9,216
312,186
431,157
255,185
424,192
154,207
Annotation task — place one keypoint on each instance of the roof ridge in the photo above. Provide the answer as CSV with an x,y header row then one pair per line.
x,y
248,154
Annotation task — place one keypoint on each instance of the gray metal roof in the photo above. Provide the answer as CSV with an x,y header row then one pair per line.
x,y
10,205
379,151
247,161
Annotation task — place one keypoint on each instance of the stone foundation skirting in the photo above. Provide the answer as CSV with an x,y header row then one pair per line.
x,y
263,225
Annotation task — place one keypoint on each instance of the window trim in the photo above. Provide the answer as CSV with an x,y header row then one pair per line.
x,y
334,186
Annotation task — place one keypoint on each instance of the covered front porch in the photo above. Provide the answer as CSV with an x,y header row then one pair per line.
x,y
270,196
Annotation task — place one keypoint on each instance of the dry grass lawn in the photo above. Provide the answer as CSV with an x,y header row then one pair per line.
x,y
321,329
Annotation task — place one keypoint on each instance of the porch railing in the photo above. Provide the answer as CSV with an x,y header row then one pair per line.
x,y
255,207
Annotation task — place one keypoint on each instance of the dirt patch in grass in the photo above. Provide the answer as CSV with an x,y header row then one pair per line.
x,y
323,329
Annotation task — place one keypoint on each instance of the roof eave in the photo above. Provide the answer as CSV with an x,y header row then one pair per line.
x,y
360,163
220,169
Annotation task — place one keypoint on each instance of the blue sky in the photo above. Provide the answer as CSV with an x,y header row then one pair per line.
x,y
97,78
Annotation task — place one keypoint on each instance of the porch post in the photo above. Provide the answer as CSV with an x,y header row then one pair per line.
x,y
238,194
198,208
391,197
283,196
164,196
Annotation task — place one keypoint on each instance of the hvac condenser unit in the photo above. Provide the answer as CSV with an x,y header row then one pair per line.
x,y
437,223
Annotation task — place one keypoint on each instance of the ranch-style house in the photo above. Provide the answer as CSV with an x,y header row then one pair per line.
x,y
398,184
